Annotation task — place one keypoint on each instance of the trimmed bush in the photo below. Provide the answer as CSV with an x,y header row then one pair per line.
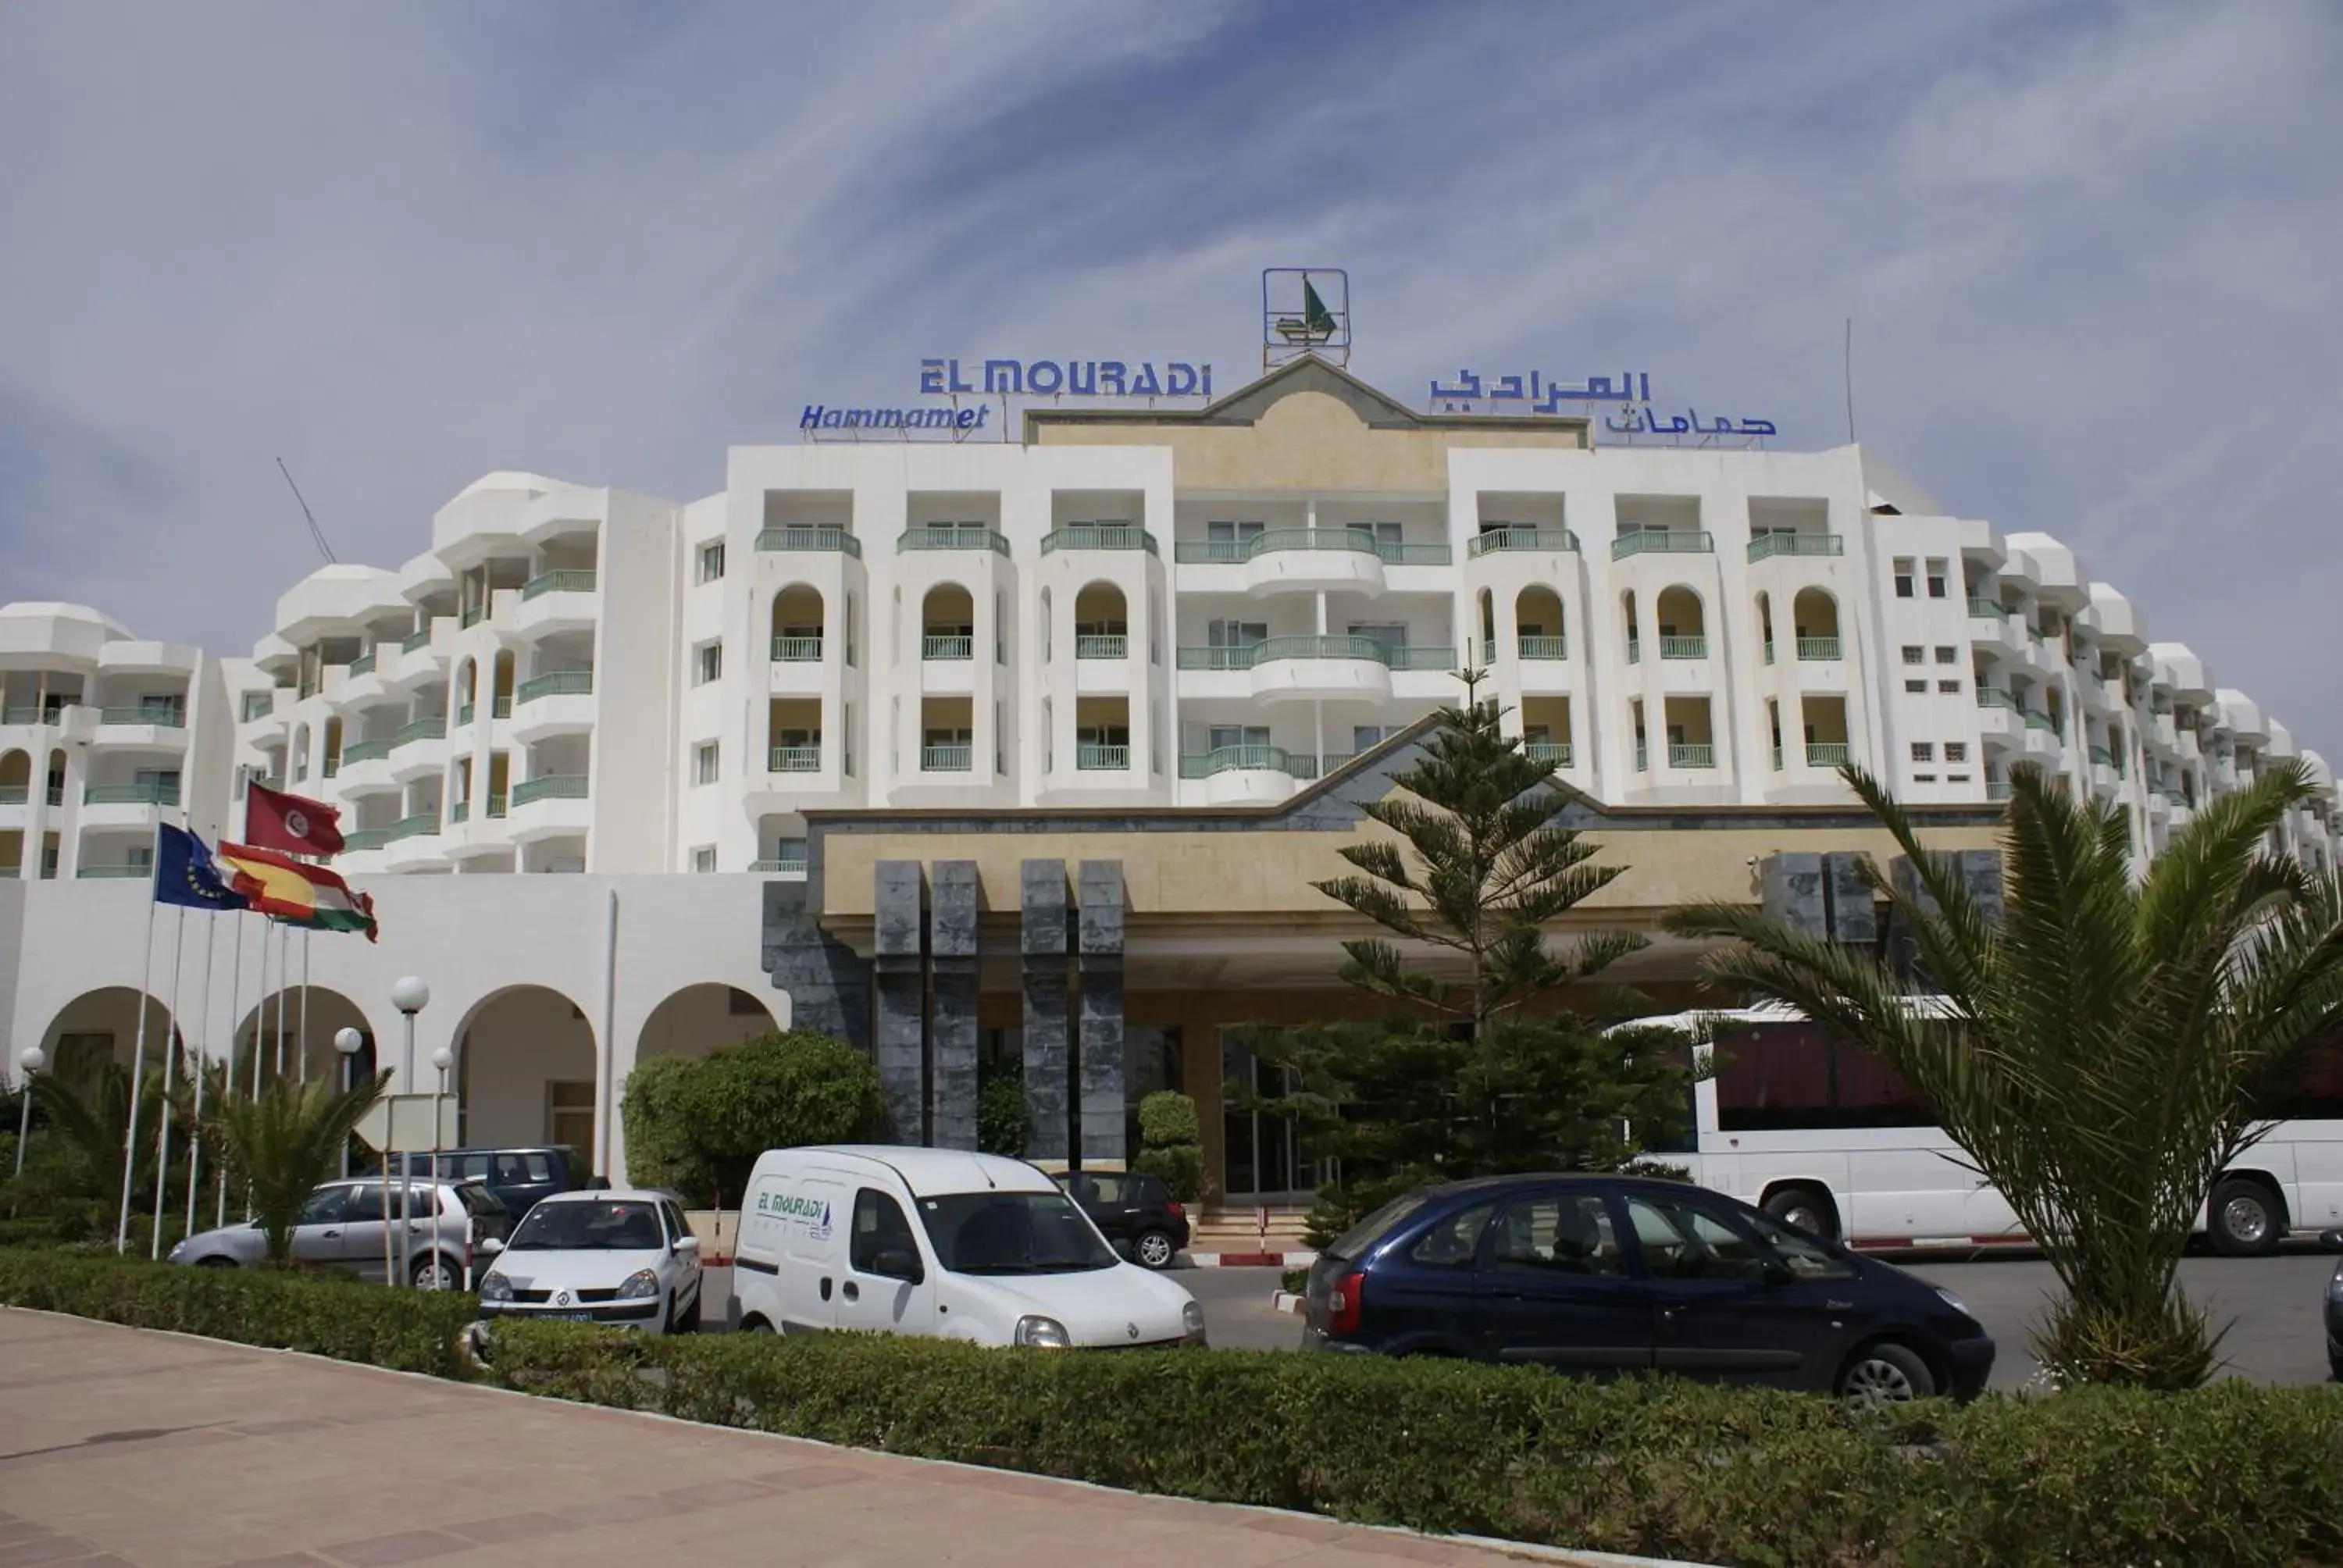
x,y
697,1126
323,1313
1169,1146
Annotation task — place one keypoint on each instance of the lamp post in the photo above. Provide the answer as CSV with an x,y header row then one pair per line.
x,y
32,1061
409,995
348,1041
443,1059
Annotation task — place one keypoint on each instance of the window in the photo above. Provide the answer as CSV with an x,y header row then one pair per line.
x,y
326,1206
708,662
1389,635
1918,687
703,763
1454,1242
1367,736
1786,1076
1236,633
1924,777
846,736
513,1169
1949,687
1903,577
1229,541
1924,751
1221,735
880,1226
1948,656
1936,578
1683,1241
569,1113
1957,750
1570,1234
711,561
703,858
1913,653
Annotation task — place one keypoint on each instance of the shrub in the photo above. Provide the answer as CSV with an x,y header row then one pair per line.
x,y
2234,1474
1001,1112
698,1126
323,1313
1169,1146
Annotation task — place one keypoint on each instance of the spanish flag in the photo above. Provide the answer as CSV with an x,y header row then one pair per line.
x,y
295,892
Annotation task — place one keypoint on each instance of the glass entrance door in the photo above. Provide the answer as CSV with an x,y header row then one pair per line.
x,y
1261,1159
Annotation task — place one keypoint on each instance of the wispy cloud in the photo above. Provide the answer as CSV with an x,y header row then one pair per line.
x,y
2088,247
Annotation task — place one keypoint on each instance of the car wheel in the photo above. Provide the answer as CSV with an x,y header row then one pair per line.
x,y
215,1262
756,1326
1807,1209
1154,1250
433,1273
2245,1220
1880,1375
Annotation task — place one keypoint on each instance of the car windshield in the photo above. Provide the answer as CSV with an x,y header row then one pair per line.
x,y
597,1226
1012,1234
1371,1230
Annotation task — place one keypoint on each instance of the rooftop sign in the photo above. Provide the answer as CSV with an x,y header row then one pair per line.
x,y
1538,393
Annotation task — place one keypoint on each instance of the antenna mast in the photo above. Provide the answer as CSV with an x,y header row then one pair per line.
x,y
316,533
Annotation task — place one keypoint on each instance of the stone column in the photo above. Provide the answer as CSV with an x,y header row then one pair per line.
x,y
1792,890
1042,944
1102,1042
902,985
828,987
1847,897
953,902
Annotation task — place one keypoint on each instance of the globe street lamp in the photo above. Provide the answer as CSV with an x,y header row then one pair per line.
x,y
409,995
32,1060
443,1059
348,1041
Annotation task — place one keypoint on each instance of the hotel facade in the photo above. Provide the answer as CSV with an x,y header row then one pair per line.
x,y
985,752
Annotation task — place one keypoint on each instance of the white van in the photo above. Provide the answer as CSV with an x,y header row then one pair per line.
x,y
935,1242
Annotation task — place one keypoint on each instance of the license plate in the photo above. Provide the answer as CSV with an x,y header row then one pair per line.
x,y
571,1317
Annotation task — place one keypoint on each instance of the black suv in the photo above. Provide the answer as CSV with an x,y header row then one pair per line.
x,y
518,1177
1133,1209
1607,1274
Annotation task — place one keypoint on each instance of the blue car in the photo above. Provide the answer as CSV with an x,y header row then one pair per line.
x,y
1610,1274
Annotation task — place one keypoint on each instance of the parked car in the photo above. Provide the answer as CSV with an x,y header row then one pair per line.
x,y
1611,1274
518,1177
350,1225
2335,1311
620,1256
932,1241
1135,1211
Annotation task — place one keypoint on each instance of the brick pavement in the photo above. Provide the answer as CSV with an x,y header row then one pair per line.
x,y
121,1447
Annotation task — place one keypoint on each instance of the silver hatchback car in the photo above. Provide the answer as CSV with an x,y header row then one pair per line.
x,y
345,1225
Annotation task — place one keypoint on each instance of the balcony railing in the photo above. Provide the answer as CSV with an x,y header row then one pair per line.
x,y
1826,753
1552,753
781,865
1407,555
2035,720
1103,645
358,751
1423,658
23,714
362,665
160,718
1237,551
947,759
461,811
1642,757
569,580
793,759
1634,652
1490,540
1762,547
1277,648
931,537
1982,608
421,639
497,799
1692,754
807,538
947,648
1098,536
256,705
1259,758
362,838
1822,648
332,766
130,795
560,683
1684,648
1534,646
464,715
552,787
502,707
1091,758
1994,697
1663,541
422,825
14,794
797,650
434,727
119,872
1997,789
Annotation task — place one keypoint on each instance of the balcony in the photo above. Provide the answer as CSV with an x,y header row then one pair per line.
x,y
1820,650
359,840
1407,555
1997,789
1550,753
1684,648
421,824
793,759
836,540
1994,696
1443,659
123,873
797,650
1493,541
1985,609
464,716
144,717
1764,546
365,751
362,665
1240,759
560,683
571,581
1665,542
1692,754
1826,753
1091,758
14,794
781,866
942,538
1115,645
552,787
1237,552
947,759
948,648
2037,719
432,728
460,812
1542,648
414,641
1287,560
130,795
1098,536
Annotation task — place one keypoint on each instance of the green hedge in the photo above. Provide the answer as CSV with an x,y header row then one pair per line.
x,y
326,1313
2234,1474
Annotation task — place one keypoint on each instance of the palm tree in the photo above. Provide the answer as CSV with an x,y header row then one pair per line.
x,y
286,1141
2106,1047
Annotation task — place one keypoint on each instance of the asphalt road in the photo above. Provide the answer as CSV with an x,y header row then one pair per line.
x,y
2272,1306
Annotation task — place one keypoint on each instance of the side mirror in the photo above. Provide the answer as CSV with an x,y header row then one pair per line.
x,y
686,1247
898,1264
489,1247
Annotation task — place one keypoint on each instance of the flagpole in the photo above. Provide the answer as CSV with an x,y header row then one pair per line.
x,y
301,1032
284,960
203,1019
234,1046
171,1037
139,1057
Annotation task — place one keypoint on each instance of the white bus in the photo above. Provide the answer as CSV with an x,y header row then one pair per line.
x,y
1818,1131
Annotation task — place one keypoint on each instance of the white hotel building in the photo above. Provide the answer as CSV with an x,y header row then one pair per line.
x,y
1118,620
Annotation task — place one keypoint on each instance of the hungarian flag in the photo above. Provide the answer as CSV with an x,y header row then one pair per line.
x,y
294,892
292,823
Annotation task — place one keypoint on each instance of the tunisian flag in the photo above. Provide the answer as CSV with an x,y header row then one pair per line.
x,y
291,823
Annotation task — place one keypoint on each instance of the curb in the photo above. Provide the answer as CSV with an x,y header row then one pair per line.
x,y
1253,1259
1287,1301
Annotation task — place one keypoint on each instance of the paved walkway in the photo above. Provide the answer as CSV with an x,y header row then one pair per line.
x,y
120,1447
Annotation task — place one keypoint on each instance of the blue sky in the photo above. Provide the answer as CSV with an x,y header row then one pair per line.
x,y
2088,249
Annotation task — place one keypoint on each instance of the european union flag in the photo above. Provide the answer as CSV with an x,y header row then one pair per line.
x,y
185,873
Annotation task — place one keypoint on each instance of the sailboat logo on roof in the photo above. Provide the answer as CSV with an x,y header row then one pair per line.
x,y
1304,311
